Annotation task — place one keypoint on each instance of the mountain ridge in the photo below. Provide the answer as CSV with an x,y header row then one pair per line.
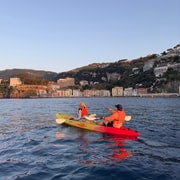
x,y
15,72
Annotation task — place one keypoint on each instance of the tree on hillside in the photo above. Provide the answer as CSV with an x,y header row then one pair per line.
x,y
29,79
5,89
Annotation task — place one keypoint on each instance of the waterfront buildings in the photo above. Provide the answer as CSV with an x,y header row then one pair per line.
x,y
65,88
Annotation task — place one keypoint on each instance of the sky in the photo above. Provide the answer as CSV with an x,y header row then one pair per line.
x,y
61,35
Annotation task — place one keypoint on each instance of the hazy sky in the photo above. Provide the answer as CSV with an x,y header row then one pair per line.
x,y
60,35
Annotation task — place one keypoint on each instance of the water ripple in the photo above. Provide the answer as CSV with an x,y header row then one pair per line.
x,y
34,147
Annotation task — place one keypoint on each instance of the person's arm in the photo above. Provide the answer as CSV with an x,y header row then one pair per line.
x,y
112,110
110,118
107,119
79,113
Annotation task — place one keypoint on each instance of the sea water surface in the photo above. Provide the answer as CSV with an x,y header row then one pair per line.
x,y
33,146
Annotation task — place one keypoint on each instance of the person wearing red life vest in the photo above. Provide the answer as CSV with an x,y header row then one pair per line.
x,y
117,118
82,110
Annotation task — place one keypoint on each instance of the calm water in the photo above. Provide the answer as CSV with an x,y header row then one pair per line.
x,y
32,146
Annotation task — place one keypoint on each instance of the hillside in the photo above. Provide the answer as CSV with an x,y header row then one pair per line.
x,y
158,73
8,73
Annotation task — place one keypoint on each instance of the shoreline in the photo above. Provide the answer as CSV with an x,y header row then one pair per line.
x,y
151,95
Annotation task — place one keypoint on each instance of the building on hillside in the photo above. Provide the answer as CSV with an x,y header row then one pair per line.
x,y
149,65
105,93
134,92
96,93
63,93
83,83
42,93
141,91
15,81
52,87
113,76
128,91
88,93
117,91
175,66
66,82
159,71
68,92
77,93
135,70
59,93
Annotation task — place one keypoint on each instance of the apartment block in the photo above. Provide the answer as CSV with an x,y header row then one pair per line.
x,y
117,91
15,81
66,82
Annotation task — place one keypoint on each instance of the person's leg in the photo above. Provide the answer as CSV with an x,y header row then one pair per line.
x,y
110,124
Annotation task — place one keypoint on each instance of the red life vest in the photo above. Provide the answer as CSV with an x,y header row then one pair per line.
x,y
84,111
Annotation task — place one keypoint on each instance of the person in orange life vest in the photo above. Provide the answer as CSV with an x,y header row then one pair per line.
x,y
82,110
117,118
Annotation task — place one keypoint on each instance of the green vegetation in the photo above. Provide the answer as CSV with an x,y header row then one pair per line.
x,y
122,73
172,75
29,79
5,89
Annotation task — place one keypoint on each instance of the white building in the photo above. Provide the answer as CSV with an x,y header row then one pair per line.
x,y
159,71
128,91
83,83
76,93
149,65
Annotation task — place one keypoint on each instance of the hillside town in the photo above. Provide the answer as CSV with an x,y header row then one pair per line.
x,y
61,88
151,76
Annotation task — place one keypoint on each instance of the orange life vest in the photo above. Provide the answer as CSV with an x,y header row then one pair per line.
x,y
117,117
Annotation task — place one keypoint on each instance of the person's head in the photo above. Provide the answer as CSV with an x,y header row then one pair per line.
x,y
119,107
82,105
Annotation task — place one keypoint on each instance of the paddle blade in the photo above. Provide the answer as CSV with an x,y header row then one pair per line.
x,y
92,115
60,121
62,116
90,118
127,118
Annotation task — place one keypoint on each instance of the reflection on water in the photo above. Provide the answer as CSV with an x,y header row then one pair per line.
x,y
60,135
33,146
118,152
113,147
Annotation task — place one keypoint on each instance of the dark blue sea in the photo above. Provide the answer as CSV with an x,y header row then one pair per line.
x,y
33,146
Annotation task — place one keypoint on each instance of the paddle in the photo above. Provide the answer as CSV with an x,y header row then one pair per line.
x,y
92,118
127,118
60,121
61,118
